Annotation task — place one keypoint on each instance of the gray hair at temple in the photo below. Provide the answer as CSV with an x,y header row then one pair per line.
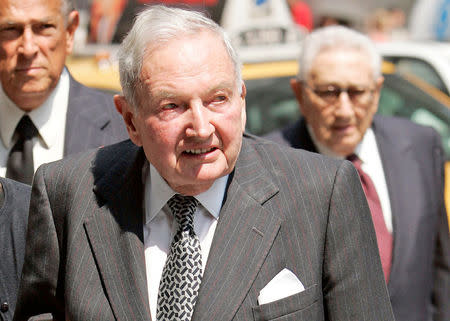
x,y
156,25
336,37
66,7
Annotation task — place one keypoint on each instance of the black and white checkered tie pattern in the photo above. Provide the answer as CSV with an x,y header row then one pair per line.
x,y
182,273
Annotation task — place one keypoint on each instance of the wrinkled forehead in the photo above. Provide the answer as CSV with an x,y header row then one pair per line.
x,y
341,63
194,37
189,64
30,10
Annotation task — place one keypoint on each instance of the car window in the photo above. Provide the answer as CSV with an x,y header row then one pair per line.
x,y
400,98
419,68
270,104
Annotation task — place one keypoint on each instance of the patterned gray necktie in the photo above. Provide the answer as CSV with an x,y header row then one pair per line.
x,y
182,273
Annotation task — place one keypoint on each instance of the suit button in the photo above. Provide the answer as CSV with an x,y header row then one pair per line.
x,y
4,307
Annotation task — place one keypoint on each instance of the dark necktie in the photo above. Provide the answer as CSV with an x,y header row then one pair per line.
x,y
181,276
20,165
384,237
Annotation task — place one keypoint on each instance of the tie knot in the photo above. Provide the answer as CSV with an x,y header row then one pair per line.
x,y
355,160
183,209
25,128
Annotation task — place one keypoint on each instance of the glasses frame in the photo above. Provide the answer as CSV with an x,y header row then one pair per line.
x,y
334,99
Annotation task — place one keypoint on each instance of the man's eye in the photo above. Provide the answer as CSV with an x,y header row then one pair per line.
x,y
329,92
220,98
170,106
10,30
355,91
45,27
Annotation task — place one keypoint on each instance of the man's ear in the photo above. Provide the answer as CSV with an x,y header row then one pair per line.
x,y
244,111
297,88
129,114
243,91
379,83
73,20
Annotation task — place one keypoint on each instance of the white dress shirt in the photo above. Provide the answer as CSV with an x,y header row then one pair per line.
x,y
160,225
49,119
368,153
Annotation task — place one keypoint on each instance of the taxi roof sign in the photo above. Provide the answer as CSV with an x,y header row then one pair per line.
x,y
262,29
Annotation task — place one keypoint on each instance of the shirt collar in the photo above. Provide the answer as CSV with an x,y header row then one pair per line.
x,y
364,150
367,150
42,117
158,192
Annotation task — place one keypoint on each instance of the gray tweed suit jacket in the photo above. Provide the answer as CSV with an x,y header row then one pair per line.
x,y
412,156
13,228
283,208
91,120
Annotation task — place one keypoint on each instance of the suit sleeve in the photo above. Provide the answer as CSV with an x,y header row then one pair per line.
x,y
353,285
38,287
441,289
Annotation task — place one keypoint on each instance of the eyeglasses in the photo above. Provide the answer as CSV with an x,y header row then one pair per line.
x,y
331,93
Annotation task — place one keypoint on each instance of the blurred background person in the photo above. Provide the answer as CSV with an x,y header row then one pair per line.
x,y
45,113
325,21
387,24
379,25
112,19
301,13
400,164
104,17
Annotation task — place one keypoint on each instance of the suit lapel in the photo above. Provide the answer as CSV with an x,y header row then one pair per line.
x,y
115,232
244,234
398,165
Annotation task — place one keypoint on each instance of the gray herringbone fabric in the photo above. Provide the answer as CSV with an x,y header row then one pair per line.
x,y
181,277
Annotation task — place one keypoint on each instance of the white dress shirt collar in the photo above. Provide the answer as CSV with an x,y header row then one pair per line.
x,y
159,192
43,117
367,151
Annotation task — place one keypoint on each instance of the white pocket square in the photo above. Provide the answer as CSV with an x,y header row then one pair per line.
x,y
281,286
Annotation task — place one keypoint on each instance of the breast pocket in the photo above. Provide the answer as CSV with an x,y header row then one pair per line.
x,y
304,305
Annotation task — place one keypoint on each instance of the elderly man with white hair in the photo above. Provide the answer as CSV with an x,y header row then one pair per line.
x,y
401,165
192,219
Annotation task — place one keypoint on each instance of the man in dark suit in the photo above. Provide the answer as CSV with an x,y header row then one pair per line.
x,y
14,202
39,99
259,231
338,88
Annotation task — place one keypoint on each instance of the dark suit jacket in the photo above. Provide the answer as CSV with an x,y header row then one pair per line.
x,y
412,157
91,120
283,208
13,228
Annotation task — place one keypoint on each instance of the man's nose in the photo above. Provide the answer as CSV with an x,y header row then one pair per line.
x,y
200,121
28,46
344,106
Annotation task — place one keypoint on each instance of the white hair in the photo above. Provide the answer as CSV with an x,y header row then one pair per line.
x,y
156,25
66,7
336,37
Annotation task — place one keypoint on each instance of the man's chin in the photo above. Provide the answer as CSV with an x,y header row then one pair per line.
x,y
30,97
